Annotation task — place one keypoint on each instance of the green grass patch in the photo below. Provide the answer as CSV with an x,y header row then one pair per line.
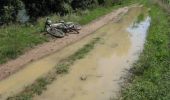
x,y
140,18
95,13
150,75
62,68
17,38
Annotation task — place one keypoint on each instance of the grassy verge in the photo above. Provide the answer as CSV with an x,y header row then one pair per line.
x,y
15,39
164,4
63,67
151,74
140,18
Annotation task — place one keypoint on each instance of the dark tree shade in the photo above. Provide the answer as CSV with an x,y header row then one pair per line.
x,y
37,8
82,4
9,10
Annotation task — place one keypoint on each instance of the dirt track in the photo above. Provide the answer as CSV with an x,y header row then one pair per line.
x,y
55,45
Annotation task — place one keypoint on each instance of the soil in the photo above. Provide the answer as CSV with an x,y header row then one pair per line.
x,y
52,46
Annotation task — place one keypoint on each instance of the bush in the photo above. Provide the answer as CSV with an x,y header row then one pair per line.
x,y
38,8
83,4
9,10
108,2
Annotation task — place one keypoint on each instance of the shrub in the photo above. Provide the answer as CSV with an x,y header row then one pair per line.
x,y
83,4
9,10
38,8
108,2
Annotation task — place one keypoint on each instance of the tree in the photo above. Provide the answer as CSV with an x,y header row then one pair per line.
x,y
9,10
37,8
82,4
108,2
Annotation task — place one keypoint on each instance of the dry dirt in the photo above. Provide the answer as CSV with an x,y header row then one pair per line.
x,y
54,45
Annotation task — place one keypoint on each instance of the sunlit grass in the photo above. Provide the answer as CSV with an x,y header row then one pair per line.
x,y
150,75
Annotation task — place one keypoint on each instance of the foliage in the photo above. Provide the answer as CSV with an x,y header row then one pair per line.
x,y
82,4
15,39
140,18
109,2
37,8
9,10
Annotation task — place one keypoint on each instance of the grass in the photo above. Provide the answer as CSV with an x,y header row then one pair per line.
x,y
140,18
95,14
150,78
15,39
164,4
62,68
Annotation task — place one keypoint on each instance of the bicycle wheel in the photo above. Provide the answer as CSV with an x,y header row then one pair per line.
x,y
56,32
77,26
59,33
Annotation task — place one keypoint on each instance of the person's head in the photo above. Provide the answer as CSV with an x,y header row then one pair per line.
x,y
47,18
48,21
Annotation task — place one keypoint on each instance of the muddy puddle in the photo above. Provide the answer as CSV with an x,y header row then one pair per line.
x,y
101,69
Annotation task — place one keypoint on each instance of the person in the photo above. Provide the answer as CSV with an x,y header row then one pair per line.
x,y
47,23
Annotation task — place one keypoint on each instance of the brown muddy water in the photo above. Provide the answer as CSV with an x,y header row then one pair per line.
x,y
101,69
